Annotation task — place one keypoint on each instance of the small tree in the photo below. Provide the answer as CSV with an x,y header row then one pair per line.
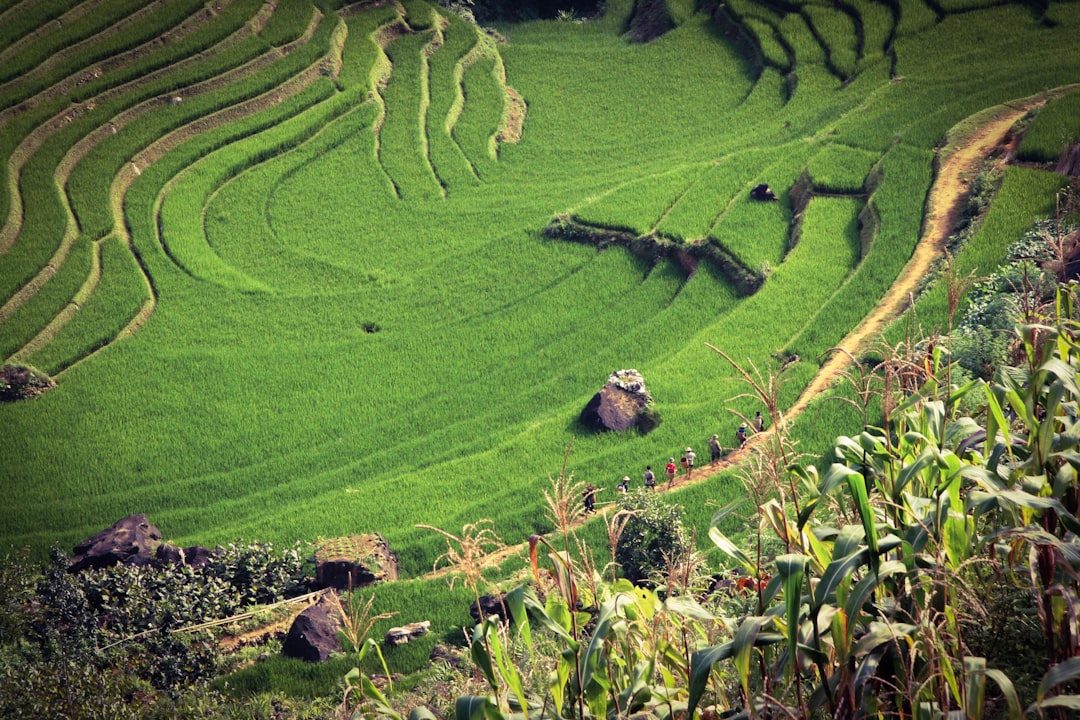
x,y
653,533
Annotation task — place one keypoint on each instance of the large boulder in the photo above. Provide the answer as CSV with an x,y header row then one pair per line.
x,y
313,636
131,541
622,403
354,561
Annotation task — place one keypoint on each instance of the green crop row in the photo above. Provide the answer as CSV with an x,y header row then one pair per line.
x,y
20,127
208,38
30,16
444,86
916,16
32,316
275,258
878,26
43,213
288,22
957,6
756,232
798,35
747,9
419,15
120,293
479,121
403,145
840,169
109,44
838,34
104,17
701,206
1055,130
772,49
360,52
182,224
640,206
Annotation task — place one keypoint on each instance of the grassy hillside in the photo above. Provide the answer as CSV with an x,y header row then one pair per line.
x,y
288,264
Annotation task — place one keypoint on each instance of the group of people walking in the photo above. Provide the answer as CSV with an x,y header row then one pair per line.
x,y
671,469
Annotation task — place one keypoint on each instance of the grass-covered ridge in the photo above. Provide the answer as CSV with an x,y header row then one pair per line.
x,y
292,275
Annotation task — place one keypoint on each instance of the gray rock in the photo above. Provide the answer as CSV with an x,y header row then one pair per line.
x,y
405,633
131,541
613,408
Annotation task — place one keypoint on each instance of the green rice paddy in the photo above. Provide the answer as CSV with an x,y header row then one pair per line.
x,y
287,263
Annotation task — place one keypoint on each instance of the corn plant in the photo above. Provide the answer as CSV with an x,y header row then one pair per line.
x,y
866,612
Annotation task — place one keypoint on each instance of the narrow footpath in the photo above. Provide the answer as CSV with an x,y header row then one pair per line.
x,y
944,206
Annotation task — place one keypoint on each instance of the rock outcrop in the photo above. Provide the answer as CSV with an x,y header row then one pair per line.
x,y
622,403
489,605
762,192
131,541
354,561
19,382
313,636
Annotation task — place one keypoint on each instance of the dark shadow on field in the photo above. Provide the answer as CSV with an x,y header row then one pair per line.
x,y
724,28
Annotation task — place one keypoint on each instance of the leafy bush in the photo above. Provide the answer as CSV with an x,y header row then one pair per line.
x,y
102,643
652,537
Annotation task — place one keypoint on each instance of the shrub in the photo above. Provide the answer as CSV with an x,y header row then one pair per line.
x,y
652,537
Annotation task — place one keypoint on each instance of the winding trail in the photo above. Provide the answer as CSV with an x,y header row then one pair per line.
x,y
943,208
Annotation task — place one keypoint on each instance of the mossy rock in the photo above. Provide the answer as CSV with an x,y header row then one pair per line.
x,y
354,561
22,382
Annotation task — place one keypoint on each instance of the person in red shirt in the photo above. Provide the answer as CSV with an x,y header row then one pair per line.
x,y
670,470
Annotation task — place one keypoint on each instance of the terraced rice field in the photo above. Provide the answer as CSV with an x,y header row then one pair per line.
x,y
288,261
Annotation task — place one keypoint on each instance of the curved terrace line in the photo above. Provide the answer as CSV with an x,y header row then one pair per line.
x,y
146,157
36,138
117,62
81,46
292,87
458,105
426,52
81,10
381,72
82,295
11,231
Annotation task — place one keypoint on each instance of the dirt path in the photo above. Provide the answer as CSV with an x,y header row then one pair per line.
x,y
943,211
944,203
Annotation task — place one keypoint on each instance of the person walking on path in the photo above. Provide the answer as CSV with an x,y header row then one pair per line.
x,y
690,457
759,422
590,498
670,471
650,478
624,484
740,435
715,451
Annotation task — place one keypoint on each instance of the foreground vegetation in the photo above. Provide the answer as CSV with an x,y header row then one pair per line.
x,y
293,268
